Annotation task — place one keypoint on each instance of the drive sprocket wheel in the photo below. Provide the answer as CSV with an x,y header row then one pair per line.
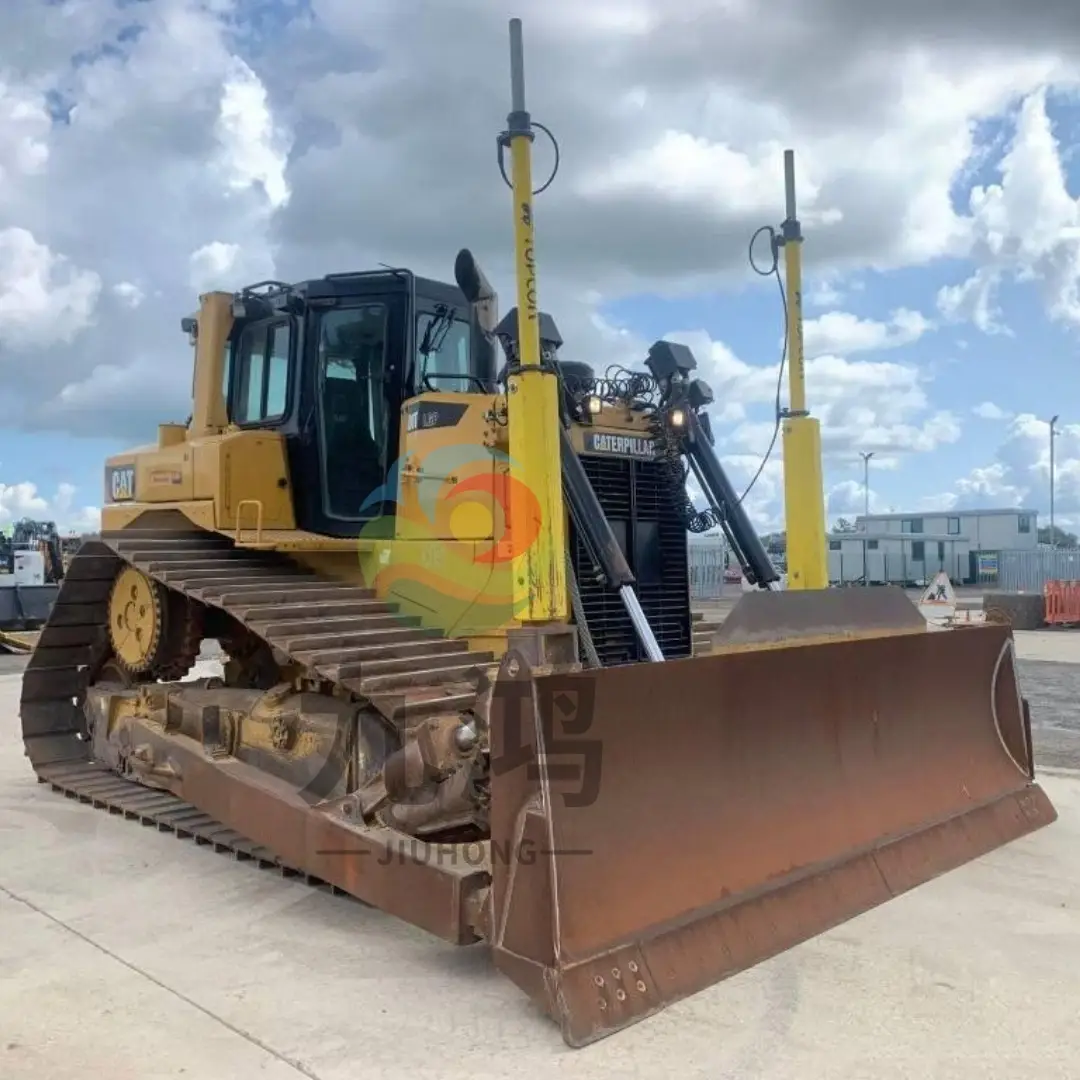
x,y
155,633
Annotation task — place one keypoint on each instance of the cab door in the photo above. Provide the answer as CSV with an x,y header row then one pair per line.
x,y
353,407
344,449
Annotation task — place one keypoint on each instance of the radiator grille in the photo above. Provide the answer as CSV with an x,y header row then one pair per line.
x,y
636,499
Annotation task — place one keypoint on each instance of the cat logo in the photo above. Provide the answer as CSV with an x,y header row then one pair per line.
x,y
634,446
120,482
434,414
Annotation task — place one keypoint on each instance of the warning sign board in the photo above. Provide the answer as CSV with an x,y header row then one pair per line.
x,y
939,592
938,601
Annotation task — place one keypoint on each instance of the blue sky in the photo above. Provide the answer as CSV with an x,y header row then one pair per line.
x,y
1035,371
277,154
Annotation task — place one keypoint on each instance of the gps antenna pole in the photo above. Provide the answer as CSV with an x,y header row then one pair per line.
x,y
804,498
536,503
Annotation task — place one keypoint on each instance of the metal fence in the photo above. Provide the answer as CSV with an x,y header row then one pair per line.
x,y
1028,571
1010,571
707,560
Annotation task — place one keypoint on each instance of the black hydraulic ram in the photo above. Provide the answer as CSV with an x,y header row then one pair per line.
x,y
721,496
596,531
585,509
683,400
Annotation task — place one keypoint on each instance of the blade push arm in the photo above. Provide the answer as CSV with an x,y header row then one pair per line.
x,y
684,427
585,509
744,540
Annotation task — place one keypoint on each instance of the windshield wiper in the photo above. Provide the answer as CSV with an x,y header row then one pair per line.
x,y
438,328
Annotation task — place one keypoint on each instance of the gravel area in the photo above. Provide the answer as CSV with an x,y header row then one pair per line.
x,y
1053,690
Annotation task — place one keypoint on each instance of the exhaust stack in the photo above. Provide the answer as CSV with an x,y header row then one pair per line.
x,y
483,313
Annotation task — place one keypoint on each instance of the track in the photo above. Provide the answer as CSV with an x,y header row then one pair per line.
x,y
104,790
337,632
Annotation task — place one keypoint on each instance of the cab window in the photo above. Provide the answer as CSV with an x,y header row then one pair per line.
x,y
262,363
447,363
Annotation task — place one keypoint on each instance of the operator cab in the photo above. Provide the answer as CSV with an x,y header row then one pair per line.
x,y
328,364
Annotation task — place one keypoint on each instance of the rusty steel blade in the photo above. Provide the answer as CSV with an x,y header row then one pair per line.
x,y
746,802
813,615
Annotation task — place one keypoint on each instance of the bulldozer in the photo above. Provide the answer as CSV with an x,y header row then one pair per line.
x,y
463,681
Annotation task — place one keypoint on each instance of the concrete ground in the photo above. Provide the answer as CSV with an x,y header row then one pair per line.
x,y
126,953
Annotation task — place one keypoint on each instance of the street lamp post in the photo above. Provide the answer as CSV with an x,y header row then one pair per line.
x,y
1053,533
866,455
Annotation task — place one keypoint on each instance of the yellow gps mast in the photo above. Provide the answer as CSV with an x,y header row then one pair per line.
x,y
804,494
540,586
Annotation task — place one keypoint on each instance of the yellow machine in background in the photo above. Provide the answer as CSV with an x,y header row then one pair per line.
x,y
460,680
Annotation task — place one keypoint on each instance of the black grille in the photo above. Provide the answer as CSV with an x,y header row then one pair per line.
x,y
636,500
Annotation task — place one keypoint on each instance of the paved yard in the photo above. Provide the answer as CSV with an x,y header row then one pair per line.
x,y
125,953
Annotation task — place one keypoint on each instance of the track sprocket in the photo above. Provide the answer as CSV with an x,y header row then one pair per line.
x,y
155,633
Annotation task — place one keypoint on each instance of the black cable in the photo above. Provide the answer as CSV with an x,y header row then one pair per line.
x,y
668,442
504,142
773,270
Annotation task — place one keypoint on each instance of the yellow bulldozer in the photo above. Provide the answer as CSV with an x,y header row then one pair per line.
x,y
448,573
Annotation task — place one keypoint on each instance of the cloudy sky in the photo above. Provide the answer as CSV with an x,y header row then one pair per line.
x,y
150,149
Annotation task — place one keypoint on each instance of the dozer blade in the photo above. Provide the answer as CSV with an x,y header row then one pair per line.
x,y
761,618
660,827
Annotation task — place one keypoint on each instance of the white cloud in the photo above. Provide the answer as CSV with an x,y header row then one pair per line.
x,y
843,333
44,300
989,411
691,170
974,301
940,502
171,143
128,294
871,406
20,500
24,132
213,266
352,135
1019,475
824,293
114,393
1026,227
255,149
848,499
328,148
23,500
862,406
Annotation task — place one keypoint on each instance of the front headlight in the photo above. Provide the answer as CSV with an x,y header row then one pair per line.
x,y
595,405
677,417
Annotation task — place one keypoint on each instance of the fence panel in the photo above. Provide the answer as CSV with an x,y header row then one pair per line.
x,y
707,561
1028,571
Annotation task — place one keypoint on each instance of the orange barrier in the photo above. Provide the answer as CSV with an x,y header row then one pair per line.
x,y
1062,602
